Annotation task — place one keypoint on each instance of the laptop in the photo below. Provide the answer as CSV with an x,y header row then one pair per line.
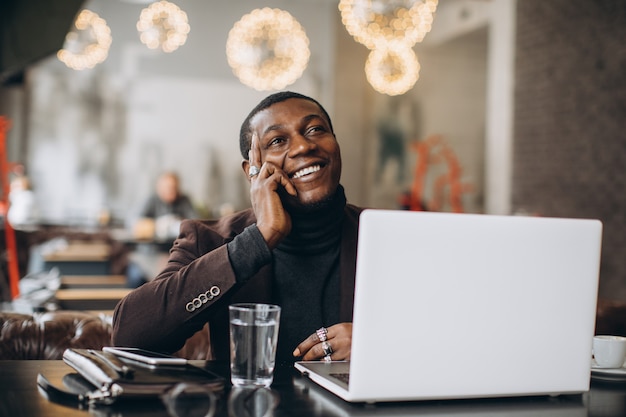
x,y
328,404
451,306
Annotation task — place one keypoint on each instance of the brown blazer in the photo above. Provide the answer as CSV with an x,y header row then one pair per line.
x,y
162,314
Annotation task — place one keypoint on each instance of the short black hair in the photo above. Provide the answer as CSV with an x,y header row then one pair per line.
x,y
245,133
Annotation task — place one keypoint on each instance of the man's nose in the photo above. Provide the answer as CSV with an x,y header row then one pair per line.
x,y
300,143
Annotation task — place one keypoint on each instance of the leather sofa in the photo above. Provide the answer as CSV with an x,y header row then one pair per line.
x,y
46,335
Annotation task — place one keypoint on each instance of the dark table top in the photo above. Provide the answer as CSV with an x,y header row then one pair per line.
x,y
293,395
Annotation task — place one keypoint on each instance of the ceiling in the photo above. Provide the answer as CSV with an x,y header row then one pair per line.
x,y
32,30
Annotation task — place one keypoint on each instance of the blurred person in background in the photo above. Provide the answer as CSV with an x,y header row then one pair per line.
x,y
22,204
163,211
158,225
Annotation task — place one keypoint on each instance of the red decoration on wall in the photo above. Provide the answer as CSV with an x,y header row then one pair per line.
x,y
9,233
447,186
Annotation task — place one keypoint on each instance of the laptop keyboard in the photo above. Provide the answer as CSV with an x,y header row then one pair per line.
x,y
343,377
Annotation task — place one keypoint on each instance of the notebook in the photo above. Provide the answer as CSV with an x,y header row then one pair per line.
x,y
451,306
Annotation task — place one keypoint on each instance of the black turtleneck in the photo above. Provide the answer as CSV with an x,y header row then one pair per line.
x,y
306,273
306,269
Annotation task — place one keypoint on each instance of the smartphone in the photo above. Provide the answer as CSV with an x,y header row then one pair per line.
x,y
145,356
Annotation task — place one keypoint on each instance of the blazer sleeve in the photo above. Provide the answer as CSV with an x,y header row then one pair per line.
x,y
162,314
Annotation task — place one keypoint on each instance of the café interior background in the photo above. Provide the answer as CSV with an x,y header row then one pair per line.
x,y
521,102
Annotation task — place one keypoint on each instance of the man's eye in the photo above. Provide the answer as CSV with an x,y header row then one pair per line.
x,y
276,141
316,129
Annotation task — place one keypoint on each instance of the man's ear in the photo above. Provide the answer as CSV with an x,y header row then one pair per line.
x,y
245,165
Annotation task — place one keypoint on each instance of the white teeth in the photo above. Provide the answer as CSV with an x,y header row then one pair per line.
x,y
306,171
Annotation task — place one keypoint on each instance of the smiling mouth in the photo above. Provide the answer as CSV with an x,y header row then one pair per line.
x,y
306,171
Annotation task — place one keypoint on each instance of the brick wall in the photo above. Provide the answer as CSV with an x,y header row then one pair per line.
x,y
570,120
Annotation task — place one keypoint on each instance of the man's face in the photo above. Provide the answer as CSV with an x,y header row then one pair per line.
x,y
295,136
167,189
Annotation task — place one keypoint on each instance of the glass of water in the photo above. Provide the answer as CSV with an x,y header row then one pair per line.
x,y
253,337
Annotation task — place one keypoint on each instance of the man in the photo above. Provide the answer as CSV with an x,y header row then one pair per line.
x,y
158,224
295,247
165,208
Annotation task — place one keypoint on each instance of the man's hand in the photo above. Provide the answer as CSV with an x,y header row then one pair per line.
x,y
273,221
339,337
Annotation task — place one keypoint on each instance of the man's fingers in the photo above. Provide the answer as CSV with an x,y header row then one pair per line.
x,y
254,156
280,178
288,185
338,343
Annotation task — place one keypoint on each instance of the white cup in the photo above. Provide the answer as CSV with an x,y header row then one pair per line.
x,y
609,351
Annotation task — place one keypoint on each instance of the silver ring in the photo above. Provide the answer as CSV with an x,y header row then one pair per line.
x,y
322,334
327,359
328,350
254,171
